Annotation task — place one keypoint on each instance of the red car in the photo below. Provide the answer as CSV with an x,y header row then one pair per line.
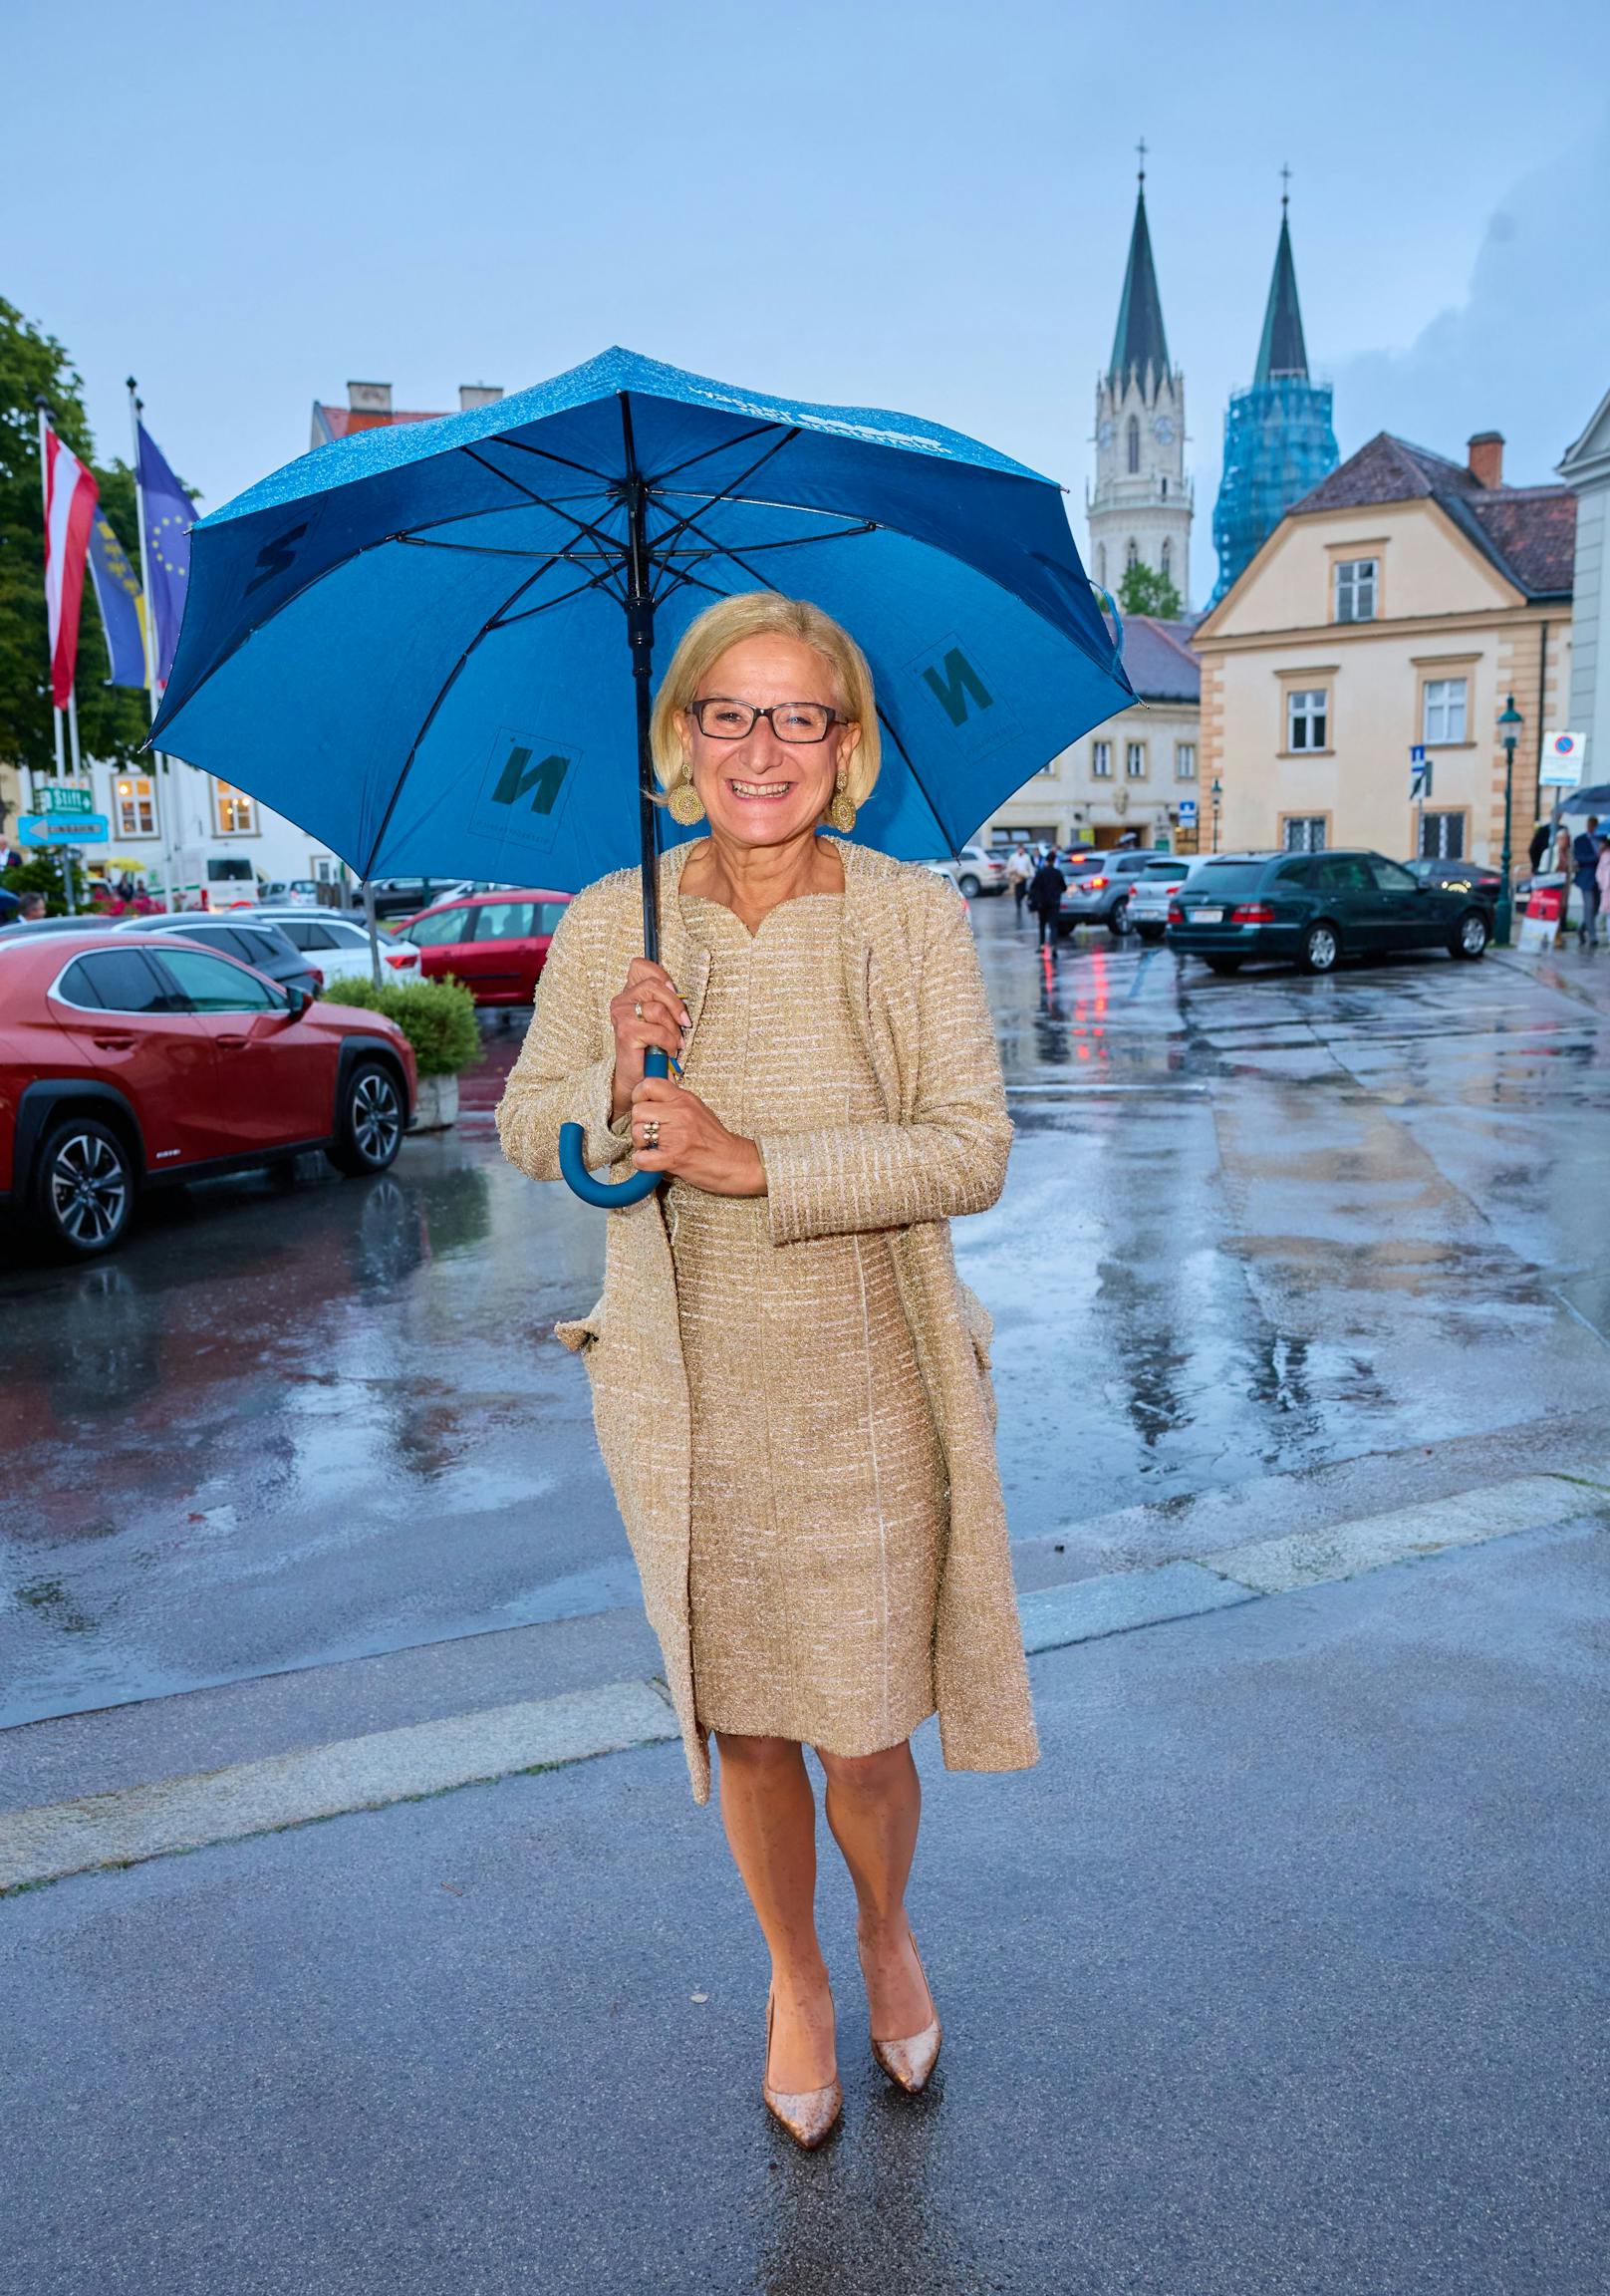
x,y
495,943
127,1063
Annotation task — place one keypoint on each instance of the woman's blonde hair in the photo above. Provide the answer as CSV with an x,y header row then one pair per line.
x,y
767,614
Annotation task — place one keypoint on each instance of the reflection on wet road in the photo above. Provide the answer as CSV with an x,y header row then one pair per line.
x,y
1253,1222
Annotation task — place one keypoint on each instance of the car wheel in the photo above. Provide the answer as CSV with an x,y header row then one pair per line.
x,y
369,1127
1223,964
84,1188
1470,936
1118,924
1150,932
1321,948
969,886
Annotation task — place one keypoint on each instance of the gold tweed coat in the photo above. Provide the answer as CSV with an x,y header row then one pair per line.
x,y
918,1001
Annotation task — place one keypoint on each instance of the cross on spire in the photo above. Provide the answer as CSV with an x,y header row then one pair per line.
x,y
1285,188
1141,149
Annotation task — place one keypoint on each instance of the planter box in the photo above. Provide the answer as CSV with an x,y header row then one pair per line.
x,y
435,1104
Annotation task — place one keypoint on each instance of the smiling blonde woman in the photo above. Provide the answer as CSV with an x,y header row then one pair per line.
x,y
790,1382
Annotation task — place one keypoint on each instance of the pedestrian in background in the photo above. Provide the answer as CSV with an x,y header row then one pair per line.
x,y
789,1380
1538,846
1045,899
30,907
1586,861
1602,873
1562,870
1020,871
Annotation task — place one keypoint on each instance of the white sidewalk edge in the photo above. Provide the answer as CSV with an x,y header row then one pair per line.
x,y
136,1823
346,1773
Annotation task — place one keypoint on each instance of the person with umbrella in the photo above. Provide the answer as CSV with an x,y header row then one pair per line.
x,y
840,1100
764,1054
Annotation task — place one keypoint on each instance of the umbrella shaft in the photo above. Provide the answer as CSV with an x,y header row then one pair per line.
x,y
639,637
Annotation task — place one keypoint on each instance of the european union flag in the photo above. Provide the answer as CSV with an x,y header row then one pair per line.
x,y
170,515
122,603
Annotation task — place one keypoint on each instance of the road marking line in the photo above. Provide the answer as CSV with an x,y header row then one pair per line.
x,y
346,1773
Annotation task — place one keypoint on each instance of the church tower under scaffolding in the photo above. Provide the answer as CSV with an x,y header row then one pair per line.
x,y
1278,441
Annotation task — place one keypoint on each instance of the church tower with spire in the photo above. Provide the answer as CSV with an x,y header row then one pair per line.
x,y
1140,507
1279,439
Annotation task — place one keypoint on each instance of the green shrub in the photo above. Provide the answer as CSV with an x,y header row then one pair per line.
x,y
436,1016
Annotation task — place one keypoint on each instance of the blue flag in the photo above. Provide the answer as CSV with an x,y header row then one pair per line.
x,y
170,514
122,603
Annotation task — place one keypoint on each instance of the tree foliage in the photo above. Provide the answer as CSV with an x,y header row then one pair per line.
x,y
112,720
1144,592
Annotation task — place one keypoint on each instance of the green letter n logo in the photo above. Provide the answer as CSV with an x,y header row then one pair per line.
x,y
952,682
519,775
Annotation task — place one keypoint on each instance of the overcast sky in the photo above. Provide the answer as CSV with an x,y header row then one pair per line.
x,y
924,207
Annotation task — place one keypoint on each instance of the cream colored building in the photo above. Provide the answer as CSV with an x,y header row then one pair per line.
x,y
1131,774
1400,602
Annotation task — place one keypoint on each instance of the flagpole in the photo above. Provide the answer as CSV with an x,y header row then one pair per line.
x,y
147,632
44,496
56,715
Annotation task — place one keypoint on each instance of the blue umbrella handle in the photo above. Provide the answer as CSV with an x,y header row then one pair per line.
x,y
573,1168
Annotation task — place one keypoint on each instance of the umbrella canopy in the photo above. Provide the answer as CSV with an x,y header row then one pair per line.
x,y
417,643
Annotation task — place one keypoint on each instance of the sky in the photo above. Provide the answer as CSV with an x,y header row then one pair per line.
x,y
923,208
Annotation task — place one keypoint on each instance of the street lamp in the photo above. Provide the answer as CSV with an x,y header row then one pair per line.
x,y
1215,793
1509,724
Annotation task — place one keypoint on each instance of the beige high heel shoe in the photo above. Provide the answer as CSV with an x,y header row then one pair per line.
x,y
806,2114
909,2061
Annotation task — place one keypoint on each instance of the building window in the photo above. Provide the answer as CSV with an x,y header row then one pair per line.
x,y
1167,548
1101,760
1355,589
1303,833
1441,837
237,813
1445,713
1131,445
1185,761
1306,718
1165,498
137,806
1101,562
1132,554
1134,760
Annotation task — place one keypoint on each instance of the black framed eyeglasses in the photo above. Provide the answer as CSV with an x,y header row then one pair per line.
x,y
719,718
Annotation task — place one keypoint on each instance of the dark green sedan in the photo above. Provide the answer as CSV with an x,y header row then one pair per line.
x,y
1318,908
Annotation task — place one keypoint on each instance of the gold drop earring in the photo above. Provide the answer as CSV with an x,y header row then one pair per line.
x,y
684,805
841,814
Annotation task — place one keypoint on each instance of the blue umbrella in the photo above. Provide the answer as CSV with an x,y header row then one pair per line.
x,y
411,642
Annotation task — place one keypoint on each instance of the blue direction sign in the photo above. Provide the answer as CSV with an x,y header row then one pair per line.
x,y
1419,772
1187,813
61,828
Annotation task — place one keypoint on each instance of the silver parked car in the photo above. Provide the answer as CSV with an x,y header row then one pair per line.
x,y
1151,891
1100,887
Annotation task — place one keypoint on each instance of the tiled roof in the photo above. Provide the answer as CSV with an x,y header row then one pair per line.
x,y
1159,658
1528,532
343,422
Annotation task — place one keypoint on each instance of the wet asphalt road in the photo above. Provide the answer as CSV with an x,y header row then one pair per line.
x,y
1253,1228
1284,1975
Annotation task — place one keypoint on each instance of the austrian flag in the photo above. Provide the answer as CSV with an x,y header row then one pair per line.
x,y
71,493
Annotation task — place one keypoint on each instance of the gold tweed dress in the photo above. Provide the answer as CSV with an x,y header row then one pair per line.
x,y
812,1587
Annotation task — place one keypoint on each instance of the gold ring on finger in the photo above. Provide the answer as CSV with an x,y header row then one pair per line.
x,y
638,1009
650,1133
